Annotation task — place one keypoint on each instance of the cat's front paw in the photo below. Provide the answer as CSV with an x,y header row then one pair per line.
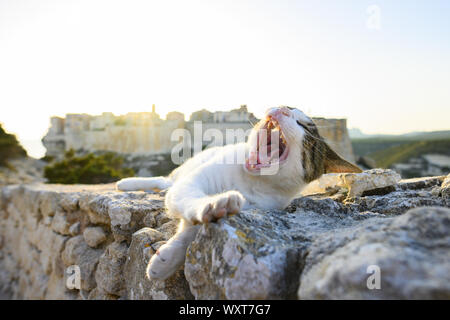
x,y
219,206
167,259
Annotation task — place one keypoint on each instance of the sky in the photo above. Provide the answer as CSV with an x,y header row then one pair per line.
x,y
383,65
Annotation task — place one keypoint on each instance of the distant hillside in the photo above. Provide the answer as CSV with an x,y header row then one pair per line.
x,y
357,134
428,135
410,154
398,153
366,146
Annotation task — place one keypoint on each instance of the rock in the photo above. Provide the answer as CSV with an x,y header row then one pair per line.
x,y
421,183
57,290
144,244
75,229
255,254
77,252
50,245
44,229
98,294
445,188
412,253
247,256
446,182
49,203
109,275
119,215
60,223
127,212
94,236
69,202
374,179
397,202
369,182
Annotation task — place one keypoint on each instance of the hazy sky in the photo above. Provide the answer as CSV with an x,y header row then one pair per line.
x,y
59,57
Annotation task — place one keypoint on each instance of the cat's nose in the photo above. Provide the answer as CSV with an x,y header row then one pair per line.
x,y
277,112
285,111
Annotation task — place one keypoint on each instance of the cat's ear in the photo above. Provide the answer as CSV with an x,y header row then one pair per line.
x,y
335,164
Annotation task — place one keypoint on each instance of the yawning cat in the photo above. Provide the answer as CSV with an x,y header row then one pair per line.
x,y
208,187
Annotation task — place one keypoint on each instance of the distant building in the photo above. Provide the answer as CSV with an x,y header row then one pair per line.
x,y
147,134
134,132
202,115
335,133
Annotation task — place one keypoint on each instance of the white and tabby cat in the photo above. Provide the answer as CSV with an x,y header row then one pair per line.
x,y
206,187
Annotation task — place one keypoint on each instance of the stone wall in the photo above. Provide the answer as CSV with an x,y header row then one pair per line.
x,y
320,247
45,229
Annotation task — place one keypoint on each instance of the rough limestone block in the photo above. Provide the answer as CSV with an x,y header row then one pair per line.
x,y
109,276
69,201
127,212
51,246
412,252
77,252
365,183
75,229
94,236
445,188
98,294
358,183
144,244
421,183
60,223
49,203
247,256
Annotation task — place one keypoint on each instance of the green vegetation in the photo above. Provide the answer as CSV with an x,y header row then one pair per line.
x,y
48,159
365,147
387,152
87,169
9,147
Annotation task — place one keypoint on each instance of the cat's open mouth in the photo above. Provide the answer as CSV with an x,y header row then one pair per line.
x,y
271,148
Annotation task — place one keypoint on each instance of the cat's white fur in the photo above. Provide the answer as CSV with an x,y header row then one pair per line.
x,y
205,188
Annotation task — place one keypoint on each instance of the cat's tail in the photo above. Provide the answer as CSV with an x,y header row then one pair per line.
x,y
144,184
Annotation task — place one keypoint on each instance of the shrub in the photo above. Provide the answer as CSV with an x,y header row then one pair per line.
x,y
9,147
87,169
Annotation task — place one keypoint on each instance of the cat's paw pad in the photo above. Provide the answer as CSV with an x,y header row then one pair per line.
x,y
167,259
220,206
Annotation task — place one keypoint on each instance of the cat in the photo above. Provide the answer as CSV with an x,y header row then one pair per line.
x,y
207,187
